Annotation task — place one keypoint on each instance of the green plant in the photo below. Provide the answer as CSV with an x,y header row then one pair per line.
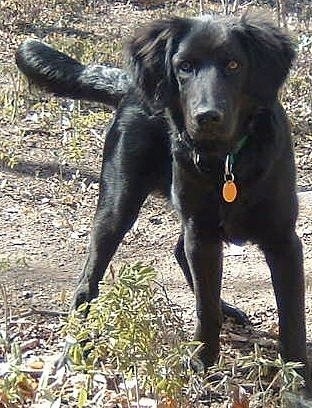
x,y
7,153
134,330
80,125
272,379
16,388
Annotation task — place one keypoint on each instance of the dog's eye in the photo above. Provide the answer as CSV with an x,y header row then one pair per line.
x,y
232,65
186,66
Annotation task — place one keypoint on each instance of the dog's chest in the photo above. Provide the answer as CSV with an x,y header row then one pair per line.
x,y
231,221
197,193
234,222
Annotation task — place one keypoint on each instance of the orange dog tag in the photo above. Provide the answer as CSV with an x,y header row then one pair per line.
x,y
229,191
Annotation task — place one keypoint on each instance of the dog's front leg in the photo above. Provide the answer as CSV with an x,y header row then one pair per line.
x,y
228,310
284,257
197,206
204,255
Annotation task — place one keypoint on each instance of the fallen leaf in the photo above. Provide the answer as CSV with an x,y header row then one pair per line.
x,y
168,402
27,387
29,345
36,365
240,398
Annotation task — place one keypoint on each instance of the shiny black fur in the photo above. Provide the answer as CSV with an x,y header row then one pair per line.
x,y
197,88
64,76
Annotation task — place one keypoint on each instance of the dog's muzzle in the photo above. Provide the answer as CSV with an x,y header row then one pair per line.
x,y
209,118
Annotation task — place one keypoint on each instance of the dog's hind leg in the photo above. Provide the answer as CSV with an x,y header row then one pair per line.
x,y
228,310
114,217
182,261
132,167
285,259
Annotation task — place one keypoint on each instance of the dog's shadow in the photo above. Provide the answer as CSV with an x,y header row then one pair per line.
x,y
45,170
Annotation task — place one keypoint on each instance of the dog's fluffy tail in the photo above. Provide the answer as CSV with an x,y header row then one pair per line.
x,y
62,75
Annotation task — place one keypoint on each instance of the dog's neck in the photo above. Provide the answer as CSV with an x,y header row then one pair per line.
x,y
200,155
204,155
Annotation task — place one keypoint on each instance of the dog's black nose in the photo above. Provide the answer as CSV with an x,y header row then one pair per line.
x,y
209,117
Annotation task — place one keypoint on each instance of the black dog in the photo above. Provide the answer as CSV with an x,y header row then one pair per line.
x,y
64,76
202,122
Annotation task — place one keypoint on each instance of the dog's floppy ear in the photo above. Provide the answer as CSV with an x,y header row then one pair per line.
x,y
270,52
150,52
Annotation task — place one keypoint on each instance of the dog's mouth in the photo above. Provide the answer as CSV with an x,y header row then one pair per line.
x,y
212,147
217,148
217,138
214,143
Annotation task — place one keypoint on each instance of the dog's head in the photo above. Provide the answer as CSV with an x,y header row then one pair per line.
x,y
210,72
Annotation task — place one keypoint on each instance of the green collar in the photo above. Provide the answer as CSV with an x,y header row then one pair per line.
x,y
241,143
229,189
230,157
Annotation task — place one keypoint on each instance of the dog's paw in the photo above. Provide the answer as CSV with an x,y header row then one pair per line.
x,y
236,314
63,361
83,294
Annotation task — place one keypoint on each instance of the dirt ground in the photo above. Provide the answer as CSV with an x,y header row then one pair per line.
x,y
51,233
46,216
